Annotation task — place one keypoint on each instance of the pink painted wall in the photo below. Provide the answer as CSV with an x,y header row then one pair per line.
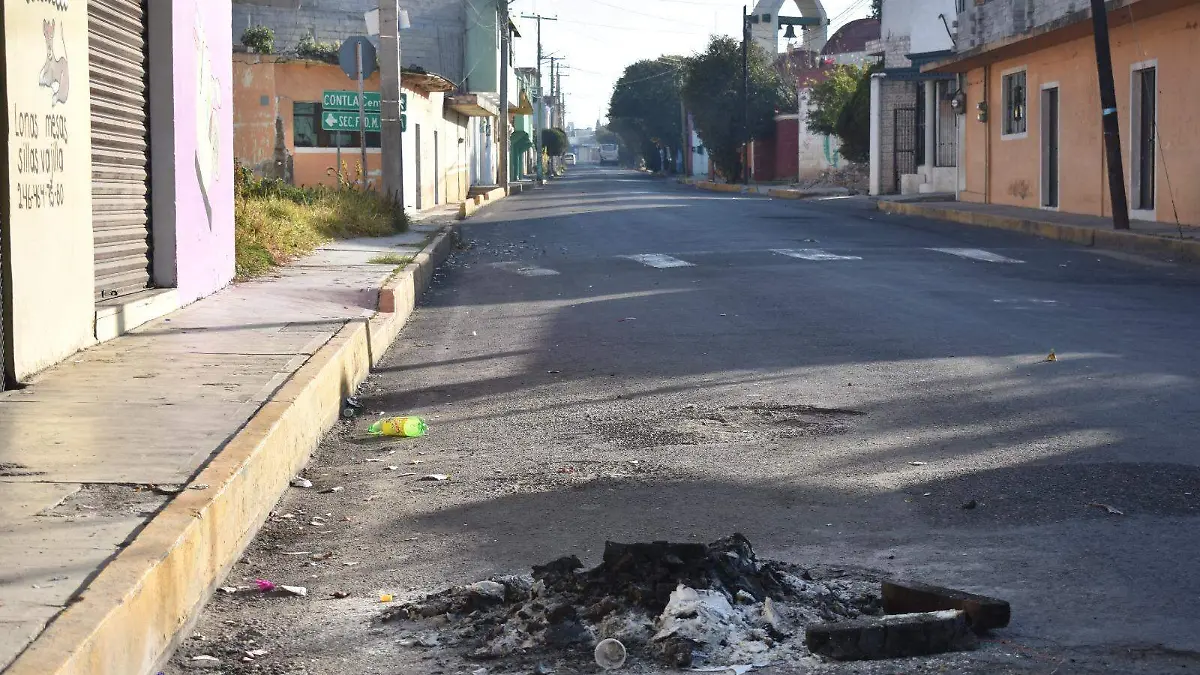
x,y
203,94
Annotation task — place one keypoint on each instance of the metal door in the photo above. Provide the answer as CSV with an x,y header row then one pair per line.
x,y
1050,147
904,143
120,146
420,151
1147,96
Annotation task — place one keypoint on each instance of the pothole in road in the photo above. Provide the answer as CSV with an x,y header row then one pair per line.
x,y
576,473
673,605
699,425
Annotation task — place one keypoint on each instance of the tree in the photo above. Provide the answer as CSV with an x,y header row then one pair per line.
x,y
645,107
554,142
854,123
876,9
829,97
606,136
712,89
841,106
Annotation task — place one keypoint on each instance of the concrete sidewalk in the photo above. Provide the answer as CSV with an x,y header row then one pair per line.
x,y
96,447
1155,239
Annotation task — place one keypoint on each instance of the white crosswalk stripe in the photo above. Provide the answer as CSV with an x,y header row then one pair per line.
x,y
813,254
659,260
525,269
978,254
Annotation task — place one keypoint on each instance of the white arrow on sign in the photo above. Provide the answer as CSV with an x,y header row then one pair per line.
x,y
331,120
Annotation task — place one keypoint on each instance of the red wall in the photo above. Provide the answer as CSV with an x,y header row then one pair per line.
x,y
764,160
786,149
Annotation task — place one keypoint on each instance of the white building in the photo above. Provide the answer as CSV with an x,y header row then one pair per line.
x,y
914,129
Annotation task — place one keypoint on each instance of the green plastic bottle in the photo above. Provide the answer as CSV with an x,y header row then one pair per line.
x,y
410,427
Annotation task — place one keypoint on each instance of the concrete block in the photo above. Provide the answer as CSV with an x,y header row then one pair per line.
x,y
983,613
893,636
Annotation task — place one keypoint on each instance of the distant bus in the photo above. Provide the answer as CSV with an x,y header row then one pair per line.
x,y
608,153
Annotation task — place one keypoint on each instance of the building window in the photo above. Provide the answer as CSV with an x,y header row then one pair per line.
x,y
1014,103
307,131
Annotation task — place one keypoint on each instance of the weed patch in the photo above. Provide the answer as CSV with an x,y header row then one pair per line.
x,y
275,223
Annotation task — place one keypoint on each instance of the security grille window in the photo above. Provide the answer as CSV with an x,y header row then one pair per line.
x,y
307,131
1014,103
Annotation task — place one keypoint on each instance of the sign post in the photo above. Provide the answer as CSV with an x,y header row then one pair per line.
x,y
357,59
362,112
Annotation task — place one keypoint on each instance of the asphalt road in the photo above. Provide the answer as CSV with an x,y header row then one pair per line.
x,y
618,357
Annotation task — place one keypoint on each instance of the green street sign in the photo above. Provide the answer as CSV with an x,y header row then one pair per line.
x,y
403,102
403,123
348,100
339,120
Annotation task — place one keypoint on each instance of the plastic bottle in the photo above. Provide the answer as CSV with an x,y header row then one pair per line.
x,y
411,427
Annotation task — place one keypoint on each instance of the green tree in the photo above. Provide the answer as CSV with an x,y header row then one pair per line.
x,y
645,107
606,136
854,123
554,142
712,89
829,97
876,9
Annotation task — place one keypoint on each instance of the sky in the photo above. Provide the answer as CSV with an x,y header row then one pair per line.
x,y
599,38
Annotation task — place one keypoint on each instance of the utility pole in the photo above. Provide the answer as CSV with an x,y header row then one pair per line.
x,y
1108,113
745,96
686,137
391,142
502,127
537,131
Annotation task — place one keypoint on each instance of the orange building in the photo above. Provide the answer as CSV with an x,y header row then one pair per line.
x,y
1032,127
278,130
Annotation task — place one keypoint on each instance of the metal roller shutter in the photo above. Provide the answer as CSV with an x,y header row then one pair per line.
x,y
120,146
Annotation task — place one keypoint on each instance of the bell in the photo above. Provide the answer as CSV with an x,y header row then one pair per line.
x,y
790,33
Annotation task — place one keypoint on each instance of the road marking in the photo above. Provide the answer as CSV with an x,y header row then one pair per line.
x,y
978,254
524,269
659,260
812,254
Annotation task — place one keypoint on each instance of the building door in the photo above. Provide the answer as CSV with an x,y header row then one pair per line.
x,y
437,171
1144,136
1050,147
417,140
120,146
905,141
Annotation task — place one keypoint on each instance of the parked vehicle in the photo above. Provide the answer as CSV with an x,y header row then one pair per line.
x,y
569,158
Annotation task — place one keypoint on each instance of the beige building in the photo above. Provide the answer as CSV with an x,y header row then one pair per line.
x,y
1033,133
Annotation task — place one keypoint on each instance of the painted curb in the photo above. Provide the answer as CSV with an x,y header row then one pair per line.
x,y
778,193
1182,250
129,618
470,206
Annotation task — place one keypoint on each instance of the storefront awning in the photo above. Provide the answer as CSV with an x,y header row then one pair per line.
x,y
429,82
525,108
473,105
913,73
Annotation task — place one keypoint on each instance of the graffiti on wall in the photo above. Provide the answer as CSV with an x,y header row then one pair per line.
x,y
208,118
40,130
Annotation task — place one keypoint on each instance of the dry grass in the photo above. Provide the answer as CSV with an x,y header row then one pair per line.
x,y
276,223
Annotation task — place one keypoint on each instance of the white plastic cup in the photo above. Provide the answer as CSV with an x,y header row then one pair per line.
x,y
610,654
